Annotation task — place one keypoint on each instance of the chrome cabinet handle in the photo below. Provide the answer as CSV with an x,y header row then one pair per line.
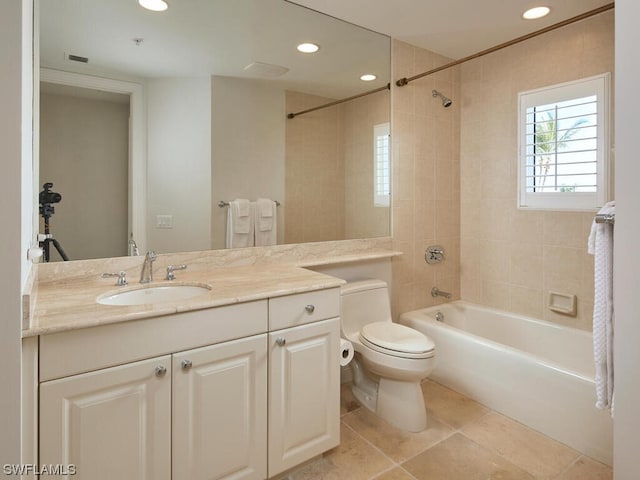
x,y
310,308
280,341
186,364
161,370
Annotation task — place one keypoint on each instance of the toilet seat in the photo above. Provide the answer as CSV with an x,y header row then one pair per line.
x,y
397,340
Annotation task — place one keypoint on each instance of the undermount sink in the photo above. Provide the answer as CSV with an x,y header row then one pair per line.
x,y
154,294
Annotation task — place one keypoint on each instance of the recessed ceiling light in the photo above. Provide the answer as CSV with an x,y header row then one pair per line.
x,y
308,48
536,12
155,5
368,77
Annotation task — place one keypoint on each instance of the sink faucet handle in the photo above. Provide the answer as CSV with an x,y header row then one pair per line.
x,y
173,268
122,277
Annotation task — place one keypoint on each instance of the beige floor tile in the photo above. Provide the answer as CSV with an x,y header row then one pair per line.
x,y
398,444
348,402
397,473
354,459
587,469
451,407
458,458
535,453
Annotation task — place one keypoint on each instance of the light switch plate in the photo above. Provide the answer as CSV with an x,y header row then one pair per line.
x,y
164,221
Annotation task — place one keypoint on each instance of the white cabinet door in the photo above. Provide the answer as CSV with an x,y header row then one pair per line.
x,y
220,411
111,423
304,393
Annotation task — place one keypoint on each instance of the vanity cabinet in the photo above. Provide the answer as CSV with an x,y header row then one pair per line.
x,y
111,423
220,411
199,414
243,391
304,393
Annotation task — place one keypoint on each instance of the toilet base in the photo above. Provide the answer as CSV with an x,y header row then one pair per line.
x,y
401,404
364,389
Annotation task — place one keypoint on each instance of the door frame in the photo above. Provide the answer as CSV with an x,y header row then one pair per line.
x,y
137,197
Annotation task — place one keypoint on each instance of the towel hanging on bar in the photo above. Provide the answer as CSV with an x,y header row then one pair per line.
x,y
601,246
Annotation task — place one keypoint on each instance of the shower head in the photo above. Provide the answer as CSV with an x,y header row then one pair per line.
x,y
446,102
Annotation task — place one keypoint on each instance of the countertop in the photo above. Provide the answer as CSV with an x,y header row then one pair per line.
x,y
71,304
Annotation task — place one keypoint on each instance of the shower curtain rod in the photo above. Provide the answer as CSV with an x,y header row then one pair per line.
x,y
337,102
404,81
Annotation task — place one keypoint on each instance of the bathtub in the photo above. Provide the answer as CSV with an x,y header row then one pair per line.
x,y
538,373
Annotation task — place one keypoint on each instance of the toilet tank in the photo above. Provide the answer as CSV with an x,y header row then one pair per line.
x,y
364,302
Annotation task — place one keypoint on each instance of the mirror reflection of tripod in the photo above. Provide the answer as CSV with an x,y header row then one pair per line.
x,y
47,198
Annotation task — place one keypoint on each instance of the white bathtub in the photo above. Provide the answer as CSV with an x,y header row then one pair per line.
x,y
538,373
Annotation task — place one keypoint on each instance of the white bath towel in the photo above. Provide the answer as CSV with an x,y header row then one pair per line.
x,y
266,222
240,224
601,245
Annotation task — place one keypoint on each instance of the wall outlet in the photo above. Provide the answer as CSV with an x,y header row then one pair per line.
x,y
164,221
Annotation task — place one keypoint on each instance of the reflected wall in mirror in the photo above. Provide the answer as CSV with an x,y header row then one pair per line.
x,y
175,111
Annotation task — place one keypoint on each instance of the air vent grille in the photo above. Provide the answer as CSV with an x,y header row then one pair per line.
x,y
77,58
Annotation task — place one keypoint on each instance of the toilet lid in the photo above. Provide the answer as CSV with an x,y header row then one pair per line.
x,y
396,337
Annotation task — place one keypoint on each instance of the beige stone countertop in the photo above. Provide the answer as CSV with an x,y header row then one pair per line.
x,y
69,305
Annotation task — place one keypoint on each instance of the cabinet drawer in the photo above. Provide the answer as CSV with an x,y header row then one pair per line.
x,y
87,349
303,308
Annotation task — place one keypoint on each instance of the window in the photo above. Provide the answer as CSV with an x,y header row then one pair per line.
x,y
381,166
564,145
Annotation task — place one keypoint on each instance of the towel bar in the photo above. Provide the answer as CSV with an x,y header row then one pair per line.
x,y
223,204
605,218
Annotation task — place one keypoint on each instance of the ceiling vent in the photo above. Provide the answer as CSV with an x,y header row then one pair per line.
x,y
265,69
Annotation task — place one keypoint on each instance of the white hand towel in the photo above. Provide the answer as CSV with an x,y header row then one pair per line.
x,y
265,209
601,245
266,222
240,210
240,224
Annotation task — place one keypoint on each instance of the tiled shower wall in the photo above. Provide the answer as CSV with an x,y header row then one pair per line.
x,y
329,169
426,178
314,172
454,178
511,259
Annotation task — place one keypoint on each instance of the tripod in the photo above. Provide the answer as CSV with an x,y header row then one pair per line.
x,y
47,198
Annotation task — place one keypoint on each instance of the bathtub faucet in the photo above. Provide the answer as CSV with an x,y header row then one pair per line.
x,y
439,293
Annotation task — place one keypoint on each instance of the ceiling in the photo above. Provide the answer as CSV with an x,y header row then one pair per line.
x,y
212,37
454,28
222,37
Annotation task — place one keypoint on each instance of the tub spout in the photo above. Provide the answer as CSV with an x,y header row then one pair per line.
x,y
439,293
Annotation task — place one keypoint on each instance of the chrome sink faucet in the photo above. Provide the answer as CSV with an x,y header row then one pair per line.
x,y
146,275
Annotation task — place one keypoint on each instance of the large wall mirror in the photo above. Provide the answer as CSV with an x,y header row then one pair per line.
x,y
148,120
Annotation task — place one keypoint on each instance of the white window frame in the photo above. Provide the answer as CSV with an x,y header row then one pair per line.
x,y
379,199
598,85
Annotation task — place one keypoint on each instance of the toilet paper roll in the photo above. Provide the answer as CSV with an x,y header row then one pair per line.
x,y
346,352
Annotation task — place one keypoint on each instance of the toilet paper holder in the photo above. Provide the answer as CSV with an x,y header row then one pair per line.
x,y
346,352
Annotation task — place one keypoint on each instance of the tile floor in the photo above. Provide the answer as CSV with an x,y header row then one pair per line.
x,y
464,441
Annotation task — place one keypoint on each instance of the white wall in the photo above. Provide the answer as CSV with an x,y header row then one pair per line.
x,y
16,205
627,234
179,163
248,121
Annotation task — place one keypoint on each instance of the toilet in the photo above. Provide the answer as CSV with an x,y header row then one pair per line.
x,y
390,359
